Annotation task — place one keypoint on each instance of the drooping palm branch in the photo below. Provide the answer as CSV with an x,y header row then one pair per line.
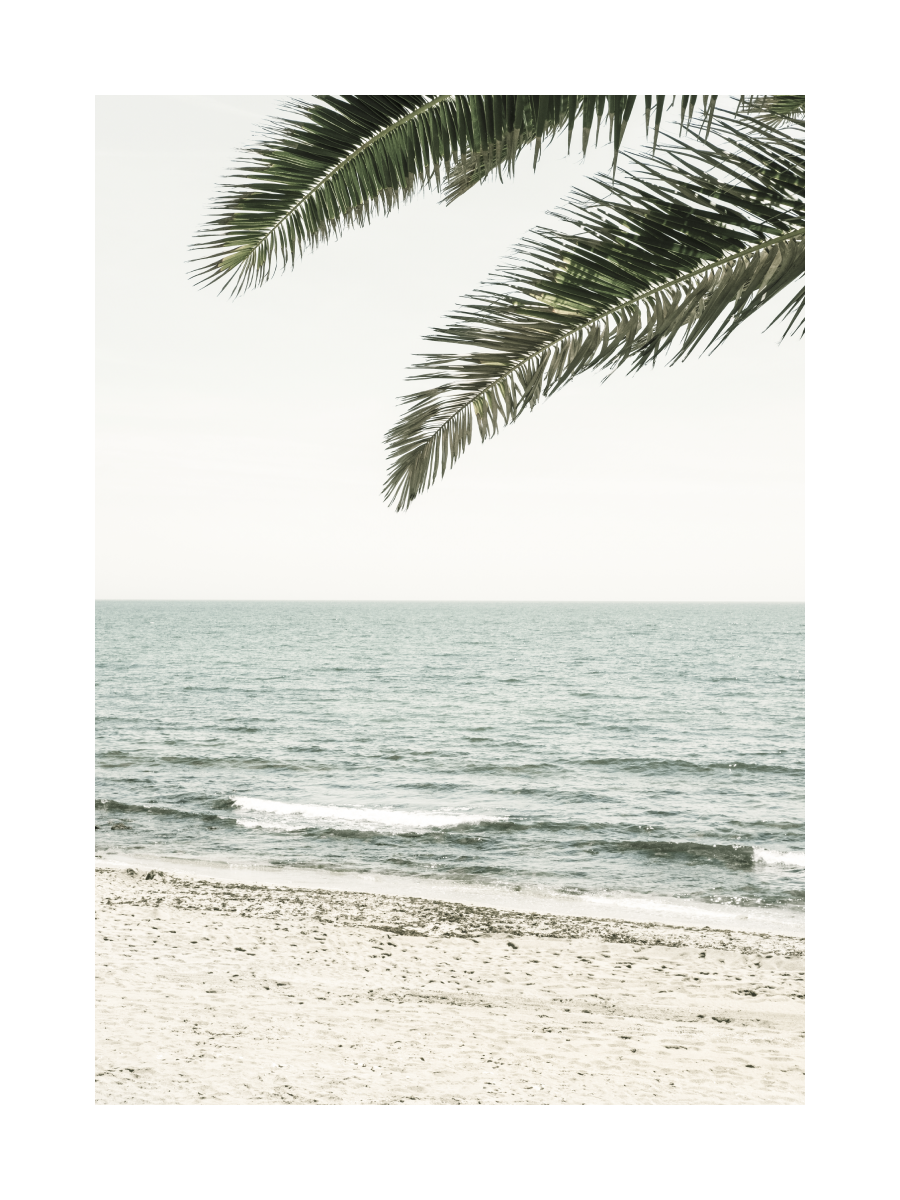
x,y
685,247
322,167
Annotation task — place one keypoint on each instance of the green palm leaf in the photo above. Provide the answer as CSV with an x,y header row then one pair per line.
x,y
777,110
684,248
565,114
320,168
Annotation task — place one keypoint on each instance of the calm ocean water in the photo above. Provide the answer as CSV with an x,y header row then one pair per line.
x,y
617,750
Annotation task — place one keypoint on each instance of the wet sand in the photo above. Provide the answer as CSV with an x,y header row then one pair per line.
x,y
226,993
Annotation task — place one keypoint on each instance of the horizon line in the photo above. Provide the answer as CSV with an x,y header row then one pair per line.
x,y
282,600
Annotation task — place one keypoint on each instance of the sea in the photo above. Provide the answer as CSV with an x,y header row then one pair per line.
x,y
640,760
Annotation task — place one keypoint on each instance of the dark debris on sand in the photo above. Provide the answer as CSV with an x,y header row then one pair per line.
x,y
410,916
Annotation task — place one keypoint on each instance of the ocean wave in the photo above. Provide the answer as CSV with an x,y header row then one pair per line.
x,y
578,837
112,758
157,810
338,816
779,858
735,855
503,768
680,764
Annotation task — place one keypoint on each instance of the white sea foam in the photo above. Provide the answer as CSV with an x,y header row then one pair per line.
x,y
779,858
338,817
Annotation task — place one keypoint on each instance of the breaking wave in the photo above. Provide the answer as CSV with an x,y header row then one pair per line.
x,y
779,858
301,816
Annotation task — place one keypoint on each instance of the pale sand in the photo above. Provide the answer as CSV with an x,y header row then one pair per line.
x,y
218,993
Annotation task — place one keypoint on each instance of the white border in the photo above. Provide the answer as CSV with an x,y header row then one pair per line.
x,y
61,56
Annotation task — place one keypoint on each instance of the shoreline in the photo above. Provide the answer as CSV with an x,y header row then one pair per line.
x,y
213,992
655,910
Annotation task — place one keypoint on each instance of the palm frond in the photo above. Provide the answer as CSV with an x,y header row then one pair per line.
x,y
683,249
780,111
322,167
318,169
586,112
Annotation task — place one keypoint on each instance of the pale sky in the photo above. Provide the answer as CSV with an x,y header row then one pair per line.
x,y
240,442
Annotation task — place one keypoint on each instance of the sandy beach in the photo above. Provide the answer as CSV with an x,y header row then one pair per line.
x,y
212,992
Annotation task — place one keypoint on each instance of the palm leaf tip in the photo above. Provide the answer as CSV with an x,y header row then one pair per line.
x,y
680,252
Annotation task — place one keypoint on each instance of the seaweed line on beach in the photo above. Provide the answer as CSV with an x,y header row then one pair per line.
x,y
412,916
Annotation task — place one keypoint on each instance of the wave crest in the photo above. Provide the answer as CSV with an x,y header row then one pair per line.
x,y
341,817
779,858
